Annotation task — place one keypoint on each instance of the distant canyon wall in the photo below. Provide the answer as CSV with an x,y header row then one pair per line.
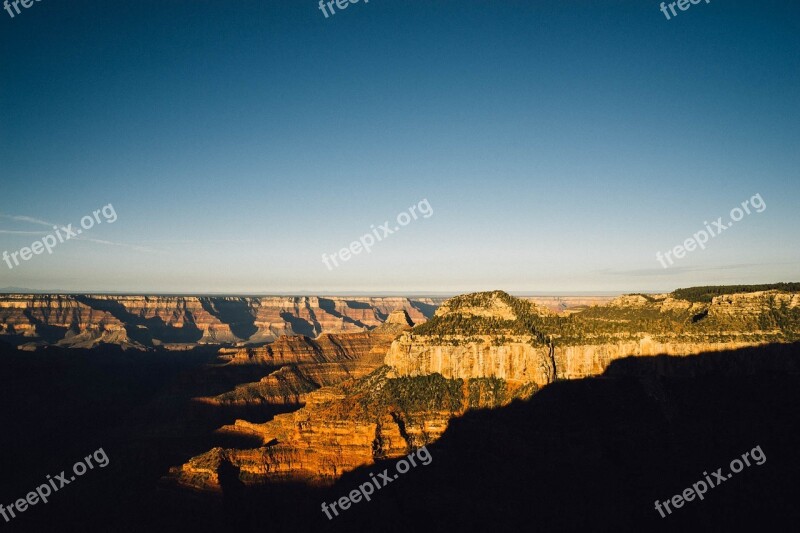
x,y
85,321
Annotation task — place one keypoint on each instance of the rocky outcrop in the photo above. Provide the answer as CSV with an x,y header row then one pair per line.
x,y
585,344
344,427
755,304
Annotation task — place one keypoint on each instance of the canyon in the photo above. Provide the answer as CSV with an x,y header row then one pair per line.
x,y
478,351
216,433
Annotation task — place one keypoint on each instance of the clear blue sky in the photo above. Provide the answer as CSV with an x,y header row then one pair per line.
x,y
561,144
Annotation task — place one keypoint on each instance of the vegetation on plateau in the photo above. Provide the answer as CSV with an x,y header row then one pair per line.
x,y
377,394
705,294
616,323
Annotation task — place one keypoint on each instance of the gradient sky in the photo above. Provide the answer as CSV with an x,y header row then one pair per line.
x,y
561,144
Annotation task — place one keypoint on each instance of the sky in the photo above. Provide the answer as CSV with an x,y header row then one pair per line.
x,y
554,147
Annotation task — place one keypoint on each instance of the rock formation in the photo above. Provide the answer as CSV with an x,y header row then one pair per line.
x,y
462,343
479,350
312,363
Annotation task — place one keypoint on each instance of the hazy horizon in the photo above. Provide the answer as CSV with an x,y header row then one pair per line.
x,y
376,294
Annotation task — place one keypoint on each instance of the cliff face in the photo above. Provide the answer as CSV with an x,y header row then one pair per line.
x,y
584,344
518,360
514,360
184,321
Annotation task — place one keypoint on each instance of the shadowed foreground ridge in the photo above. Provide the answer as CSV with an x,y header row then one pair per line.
x,y
588,454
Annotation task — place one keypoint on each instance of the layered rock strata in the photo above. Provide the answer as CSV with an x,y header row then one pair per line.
x,y
344,427
180,322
